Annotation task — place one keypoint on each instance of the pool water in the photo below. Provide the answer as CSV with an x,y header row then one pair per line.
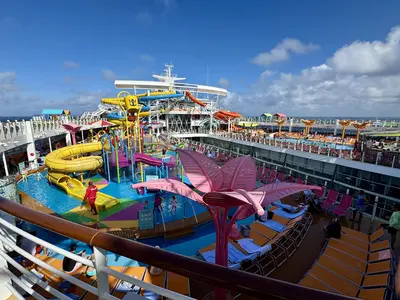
x,y
47,194
317,143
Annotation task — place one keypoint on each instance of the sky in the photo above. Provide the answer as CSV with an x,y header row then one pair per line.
x,y
301,58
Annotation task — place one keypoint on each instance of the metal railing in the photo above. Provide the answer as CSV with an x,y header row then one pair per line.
x,y
388,159
12,129
242,282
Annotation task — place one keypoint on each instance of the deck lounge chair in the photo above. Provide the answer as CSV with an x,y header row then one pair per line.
x,y
378,248
273,256
238,259
122,288
272,176
158,280
330,200
320,193
178,283
363,266
112,283
281,176
299,181
355,251
323,279
343,207
352,275
371,239
265,174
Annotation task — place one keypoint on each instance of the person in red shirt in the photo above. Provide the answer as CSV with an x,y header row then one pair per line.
x,y
90,195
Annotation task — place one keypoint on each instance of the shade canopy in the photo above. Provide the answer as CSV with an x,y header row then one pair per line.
x,y
101,123
248,124
279,115
268,115
55,112
71,127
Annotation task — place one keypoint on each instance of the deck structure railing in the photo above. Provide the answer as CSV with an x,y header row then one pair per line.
x,y
12,129
217,276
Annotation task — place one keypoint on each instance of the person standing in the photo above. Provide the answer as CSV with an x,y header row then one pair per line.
x,y
361,204
394,225
91,193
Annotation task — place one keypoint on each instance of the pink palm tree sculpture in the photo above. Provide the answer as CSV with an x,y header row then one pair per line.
x,y
233,185
72,128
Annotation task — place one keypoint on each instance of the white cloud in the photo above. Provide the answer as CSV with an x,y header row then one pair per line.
x,y
144,18
375,57
343,86
282,51
71,64
7,82
265,74
223,82
109,75
146,58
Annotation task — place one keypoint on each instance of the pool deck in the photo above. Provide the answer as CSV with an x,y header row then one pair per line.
x,y
173,228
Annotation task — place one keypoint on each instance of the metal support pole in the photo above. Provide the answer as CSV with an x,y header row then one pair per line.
x,y
5,164
374,209
51,148
102,277
83,137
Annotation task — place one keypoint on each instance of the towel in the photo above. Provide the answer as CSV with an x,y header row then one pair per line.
x,y
282,213
250,247
278,227
236,256
281,205
127,287
209,256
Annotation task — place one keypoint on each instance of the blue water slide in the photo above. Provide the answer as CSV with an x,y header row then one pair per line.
x,y
115,116
145,108
147,98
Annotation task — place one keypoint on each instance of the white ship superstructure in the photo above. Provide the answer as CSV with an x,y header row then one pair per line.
x,y
179,114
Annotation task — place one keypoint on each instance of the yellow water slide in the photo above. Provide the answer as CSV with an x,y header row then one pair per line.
x,y
67,160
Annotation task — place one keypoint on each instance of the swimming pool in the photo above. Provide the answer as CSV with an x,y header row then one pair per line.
x,y
316,143
47,194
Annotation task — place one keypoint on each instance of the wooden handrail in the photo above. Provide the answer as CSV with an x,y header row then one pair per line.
x,y
243,282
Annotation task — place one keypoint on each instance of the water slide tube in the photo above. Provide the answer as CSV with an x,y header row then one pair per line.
x,y
191,97
60,164
156,97
131,102
153,161
225,115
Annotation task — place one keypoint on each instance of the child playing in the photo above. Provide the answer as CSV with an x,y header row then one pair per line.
x,y
361,204
173,205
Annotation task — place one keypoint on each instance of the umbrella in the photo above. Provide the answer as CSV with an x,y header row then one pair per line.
x,y
101,123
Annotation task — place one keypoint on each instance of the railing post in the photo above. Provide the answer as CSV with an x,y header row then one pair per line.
x,y
100,264
5,163
374,209
393,161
